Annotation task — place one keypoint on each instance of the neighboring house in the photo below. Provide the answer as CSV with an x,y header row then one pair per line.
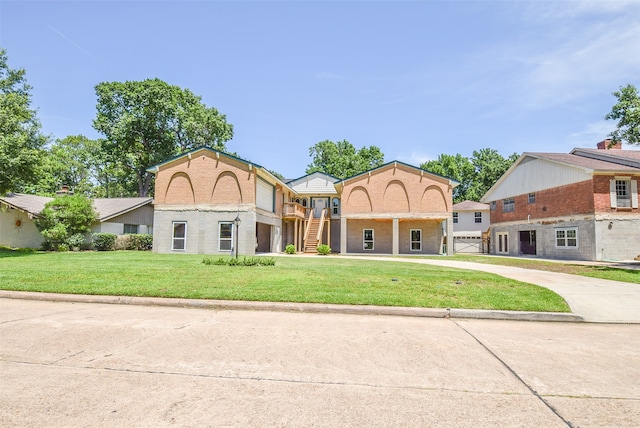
x,y
209,202
470,226
582,205
115,215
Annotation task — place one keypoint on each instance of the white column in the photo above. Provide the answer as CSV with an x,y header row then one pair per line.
x,y
449,222
396,237
343,235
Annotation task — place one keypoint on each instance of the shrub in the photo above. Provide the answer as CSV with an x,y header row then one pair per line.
x,y
141,242
245,261
64,217
123,242
104,241
75,240
290,249
324,249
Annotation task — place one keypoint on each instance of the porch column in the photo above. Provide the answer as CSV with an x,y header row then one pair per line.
x,y
449,223
343,235
396,236
295,235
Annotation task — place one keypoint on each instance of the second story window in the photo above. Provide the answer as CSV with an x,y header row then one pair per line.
x,y
455,217
508,205
478,216
335,206
532,198
623,193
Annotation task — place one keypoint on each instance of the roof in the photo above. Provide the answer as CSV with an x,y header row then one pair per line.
x,y
590,163
470,206
106,208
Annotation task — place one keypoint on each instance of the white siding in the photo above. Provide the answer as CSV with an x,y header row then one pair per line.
x,y
314,184
467,221
533,175
265,194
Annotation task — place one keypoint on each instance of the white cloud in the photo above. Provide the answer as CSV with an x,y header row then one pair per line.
x,y
591,133
414,158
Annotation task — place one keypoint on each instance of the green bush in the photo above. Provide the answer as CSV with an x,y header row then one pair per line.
x,y
245,261
324,249
75,240
104,241
290,249
63,218
141,242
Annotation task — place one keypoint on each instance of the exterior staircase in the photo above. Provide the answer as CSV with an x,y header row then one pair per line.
x,y
311,244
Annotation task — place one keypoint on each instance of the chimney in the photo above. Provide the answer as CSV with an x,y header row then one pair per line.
x,y
608,144
64,190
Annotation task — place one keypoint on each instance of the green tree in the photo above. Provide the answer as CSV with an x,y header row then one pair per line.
x,y
66,220
150,121
457,167
476,174
627,112
21,141
341,159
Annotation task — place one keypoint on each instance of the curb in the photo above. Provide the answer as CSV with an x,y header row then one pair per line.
x,y
297,307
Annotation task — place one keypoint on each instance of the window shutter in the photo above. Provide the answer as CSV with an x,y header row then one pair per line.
x,y
634,193
612,193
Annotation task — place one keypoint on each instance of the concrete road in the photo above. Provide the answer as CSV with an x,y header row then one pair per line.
x,y
80,364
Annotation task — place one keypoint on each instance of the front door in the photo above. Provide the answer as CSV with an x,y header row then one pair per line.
x,y
528,242
318,205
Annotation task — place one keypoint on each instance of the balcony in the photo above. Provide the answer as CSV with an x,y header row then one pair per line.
x,y
293,210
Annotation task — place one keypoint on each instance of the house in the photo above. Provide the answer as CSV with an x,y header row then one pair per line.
x,y
209,202
470,226
115,215
582,205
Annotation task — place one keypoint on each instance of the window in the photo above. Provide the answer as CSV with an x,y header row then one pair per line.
x,y
416,239
478,216
503,243
225,237
336,206
179,241
532,198
623,193
305,202
493,205
508,205
567,237
367,239
455,218
130,229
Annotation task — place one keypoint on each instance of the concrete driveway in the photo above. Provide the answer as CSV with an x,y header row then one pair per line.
x,y
82,364
593,299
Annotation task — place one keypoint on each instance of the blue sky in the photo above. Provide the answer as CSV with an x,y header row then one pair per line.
x,y
415,78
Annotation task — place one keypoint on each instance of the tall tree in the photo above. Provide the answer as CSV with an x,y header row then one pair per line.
x,y
21,141
476,174
341,159
457,167
627,112
150,121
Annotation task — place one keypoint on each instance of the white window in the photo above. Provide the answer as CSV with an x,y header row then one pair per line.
x,y
367,239
567,237
455,218
179,241
508,205
225,236
532,198
336,206
130,229
416,239
503,243
492,205
624,192
478,216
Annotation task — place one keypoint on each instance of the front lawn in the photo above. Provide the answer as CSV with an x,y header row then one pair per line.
x,y
292,279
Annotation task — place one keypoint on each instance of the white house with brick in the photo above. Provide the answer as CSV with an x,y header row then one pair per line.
x,y
209,202
582,205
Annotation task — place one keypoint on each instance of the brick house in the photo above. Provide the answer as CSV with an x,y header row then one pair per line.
x,y
209,202
582,205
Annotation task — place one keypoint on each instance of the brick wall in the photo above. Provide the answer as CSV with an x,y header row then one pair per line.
x,y
576,198
203,179
396,189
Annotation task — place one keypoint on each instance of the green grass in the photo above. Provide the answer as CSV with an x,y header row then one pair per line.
x,y
293,279
594,271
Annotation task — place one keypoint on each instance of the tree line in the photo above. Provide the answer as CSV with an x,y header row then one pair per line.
x,y
146,122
